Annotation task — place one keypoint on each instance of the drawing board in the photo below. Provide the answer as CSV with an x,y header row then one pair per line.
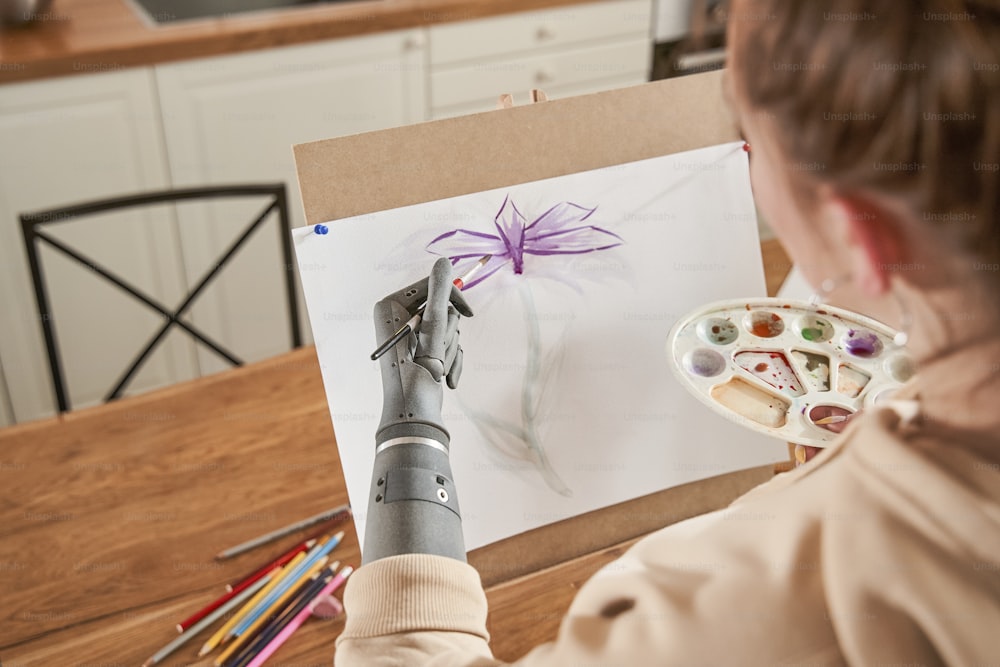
x,y
567,403
352,175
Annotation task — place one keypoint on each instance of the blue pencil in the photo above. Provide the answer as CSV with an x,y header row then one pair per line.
x,y
318,552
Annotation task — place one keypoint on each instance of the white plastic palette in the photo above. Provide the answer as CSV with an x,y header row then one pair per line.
x,y
778,366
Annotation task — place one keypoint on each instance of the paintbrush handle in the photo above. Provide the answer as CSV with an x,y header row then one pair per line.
x,y
410,325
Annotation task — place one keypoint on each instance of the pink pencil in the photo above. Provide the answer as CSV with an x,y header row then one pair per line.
x,y
300,618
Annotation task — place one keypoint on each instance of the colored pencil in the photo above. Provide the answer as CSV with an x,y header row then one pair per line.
x,y
280,560
222,633
233,590
208,609
206,621
281,532
300,618
274,608
318,552
412,323
274,627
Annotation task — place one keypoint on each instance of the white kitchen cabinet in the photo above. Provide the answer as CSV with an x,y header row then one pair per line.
x,y
64,141
564,51
6,413
233,119
227,120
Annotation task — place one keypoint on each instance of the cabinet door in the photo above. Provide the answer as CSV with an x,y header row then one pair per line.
x,y
6,410
234,119
598,67
542,30
563,51
66,141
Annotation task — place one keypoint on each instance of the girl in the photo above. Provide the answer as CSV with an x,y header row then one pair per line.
x,y
876,158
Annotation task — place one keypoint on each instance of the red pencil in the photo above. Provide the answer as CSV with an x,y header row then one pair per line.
x,y
280,560
242,584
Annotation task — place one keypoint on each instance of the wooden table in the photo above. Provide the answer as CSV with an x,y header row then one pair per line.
x,y
110,517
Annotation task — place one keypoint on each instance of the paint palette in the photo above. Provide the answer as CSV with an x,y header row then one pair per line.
x,y
779,366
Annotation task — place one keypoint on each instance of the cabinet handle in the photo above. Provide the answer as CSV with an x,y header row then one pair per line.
x,y
544,34
545,75
414,42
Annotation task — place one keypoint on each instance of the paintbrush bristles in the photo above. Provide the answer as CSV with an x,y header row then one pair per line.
x,y
832,419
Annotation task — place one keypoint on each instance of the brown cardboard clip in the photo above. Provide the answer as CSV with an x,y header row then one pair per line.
x,y
506,101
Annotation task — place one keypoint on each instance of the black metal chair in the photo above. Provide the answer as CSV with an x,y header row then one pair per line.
x,y
31,226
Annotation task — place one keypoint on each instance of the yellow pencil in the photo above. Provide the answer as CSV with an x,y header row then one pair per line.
x,y
278,604
222,632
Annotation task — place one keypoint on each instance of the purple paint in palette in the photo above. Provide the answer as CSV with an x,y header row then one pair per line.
x,y
862,343
768,360
704,362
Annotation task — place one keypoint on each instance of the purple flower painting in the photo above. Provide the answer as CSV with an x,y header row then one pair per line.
x,y
561,230
558,231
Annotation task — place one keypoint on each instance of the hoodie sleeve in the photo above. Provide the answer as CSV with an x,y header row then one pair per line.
x,y
690,594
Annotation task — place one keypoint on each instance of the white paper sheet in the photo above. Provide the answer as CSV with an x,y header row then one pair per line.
x,y
611,419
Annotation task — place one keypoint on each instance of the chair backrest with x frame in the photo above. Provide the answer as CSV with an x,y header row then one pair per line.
x,y
32,224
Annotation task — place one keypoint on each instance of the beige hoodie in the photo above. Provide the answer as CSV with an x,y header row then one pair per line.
x,y
882,550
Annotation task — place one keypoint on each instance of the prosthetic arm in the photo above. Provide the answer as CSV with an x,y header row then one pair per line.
x,y
413,507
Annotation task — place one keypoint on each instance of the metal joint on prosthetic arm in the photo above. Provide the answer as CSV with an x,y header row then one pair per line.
x,y
413,506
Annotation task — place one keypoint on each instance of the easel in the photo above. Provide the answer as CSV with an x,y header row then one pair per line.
x,y
402,166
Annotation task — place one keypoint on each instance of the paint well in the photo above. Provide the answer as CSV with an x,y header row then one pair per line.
x,y
815,368
899,367
814,329
704,362
752,402
771,367
862,343
823,411
851,381
718,331
763,324
884,396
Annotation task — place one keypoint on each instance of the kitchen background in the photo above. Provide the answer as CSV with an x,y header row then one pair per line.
x,y
106,98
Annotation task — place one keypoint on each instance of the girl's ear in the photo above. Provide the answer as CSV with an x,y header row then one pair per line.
x,y
874,238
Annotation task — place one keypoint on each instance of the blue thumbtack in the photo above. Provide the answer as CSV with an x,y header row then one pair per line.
x,y
321,229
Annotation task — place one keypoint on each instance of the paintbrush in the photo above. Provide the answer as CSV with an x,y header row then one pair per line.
x,y
412,323
832,419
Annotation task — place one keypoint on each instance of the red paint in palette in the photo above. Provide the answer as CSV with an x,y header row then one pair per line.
x,y
771,367
763,328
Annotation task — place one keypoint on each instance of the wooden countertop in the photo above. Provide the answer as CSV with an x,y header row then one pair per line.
x,y
84,36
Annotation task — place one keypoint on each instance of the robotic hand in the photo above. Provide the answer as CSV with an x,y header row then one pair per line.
x,y
413,507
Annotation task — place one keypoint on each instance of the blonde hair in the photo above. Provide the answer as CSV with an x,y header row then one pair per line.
x,y
900,98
